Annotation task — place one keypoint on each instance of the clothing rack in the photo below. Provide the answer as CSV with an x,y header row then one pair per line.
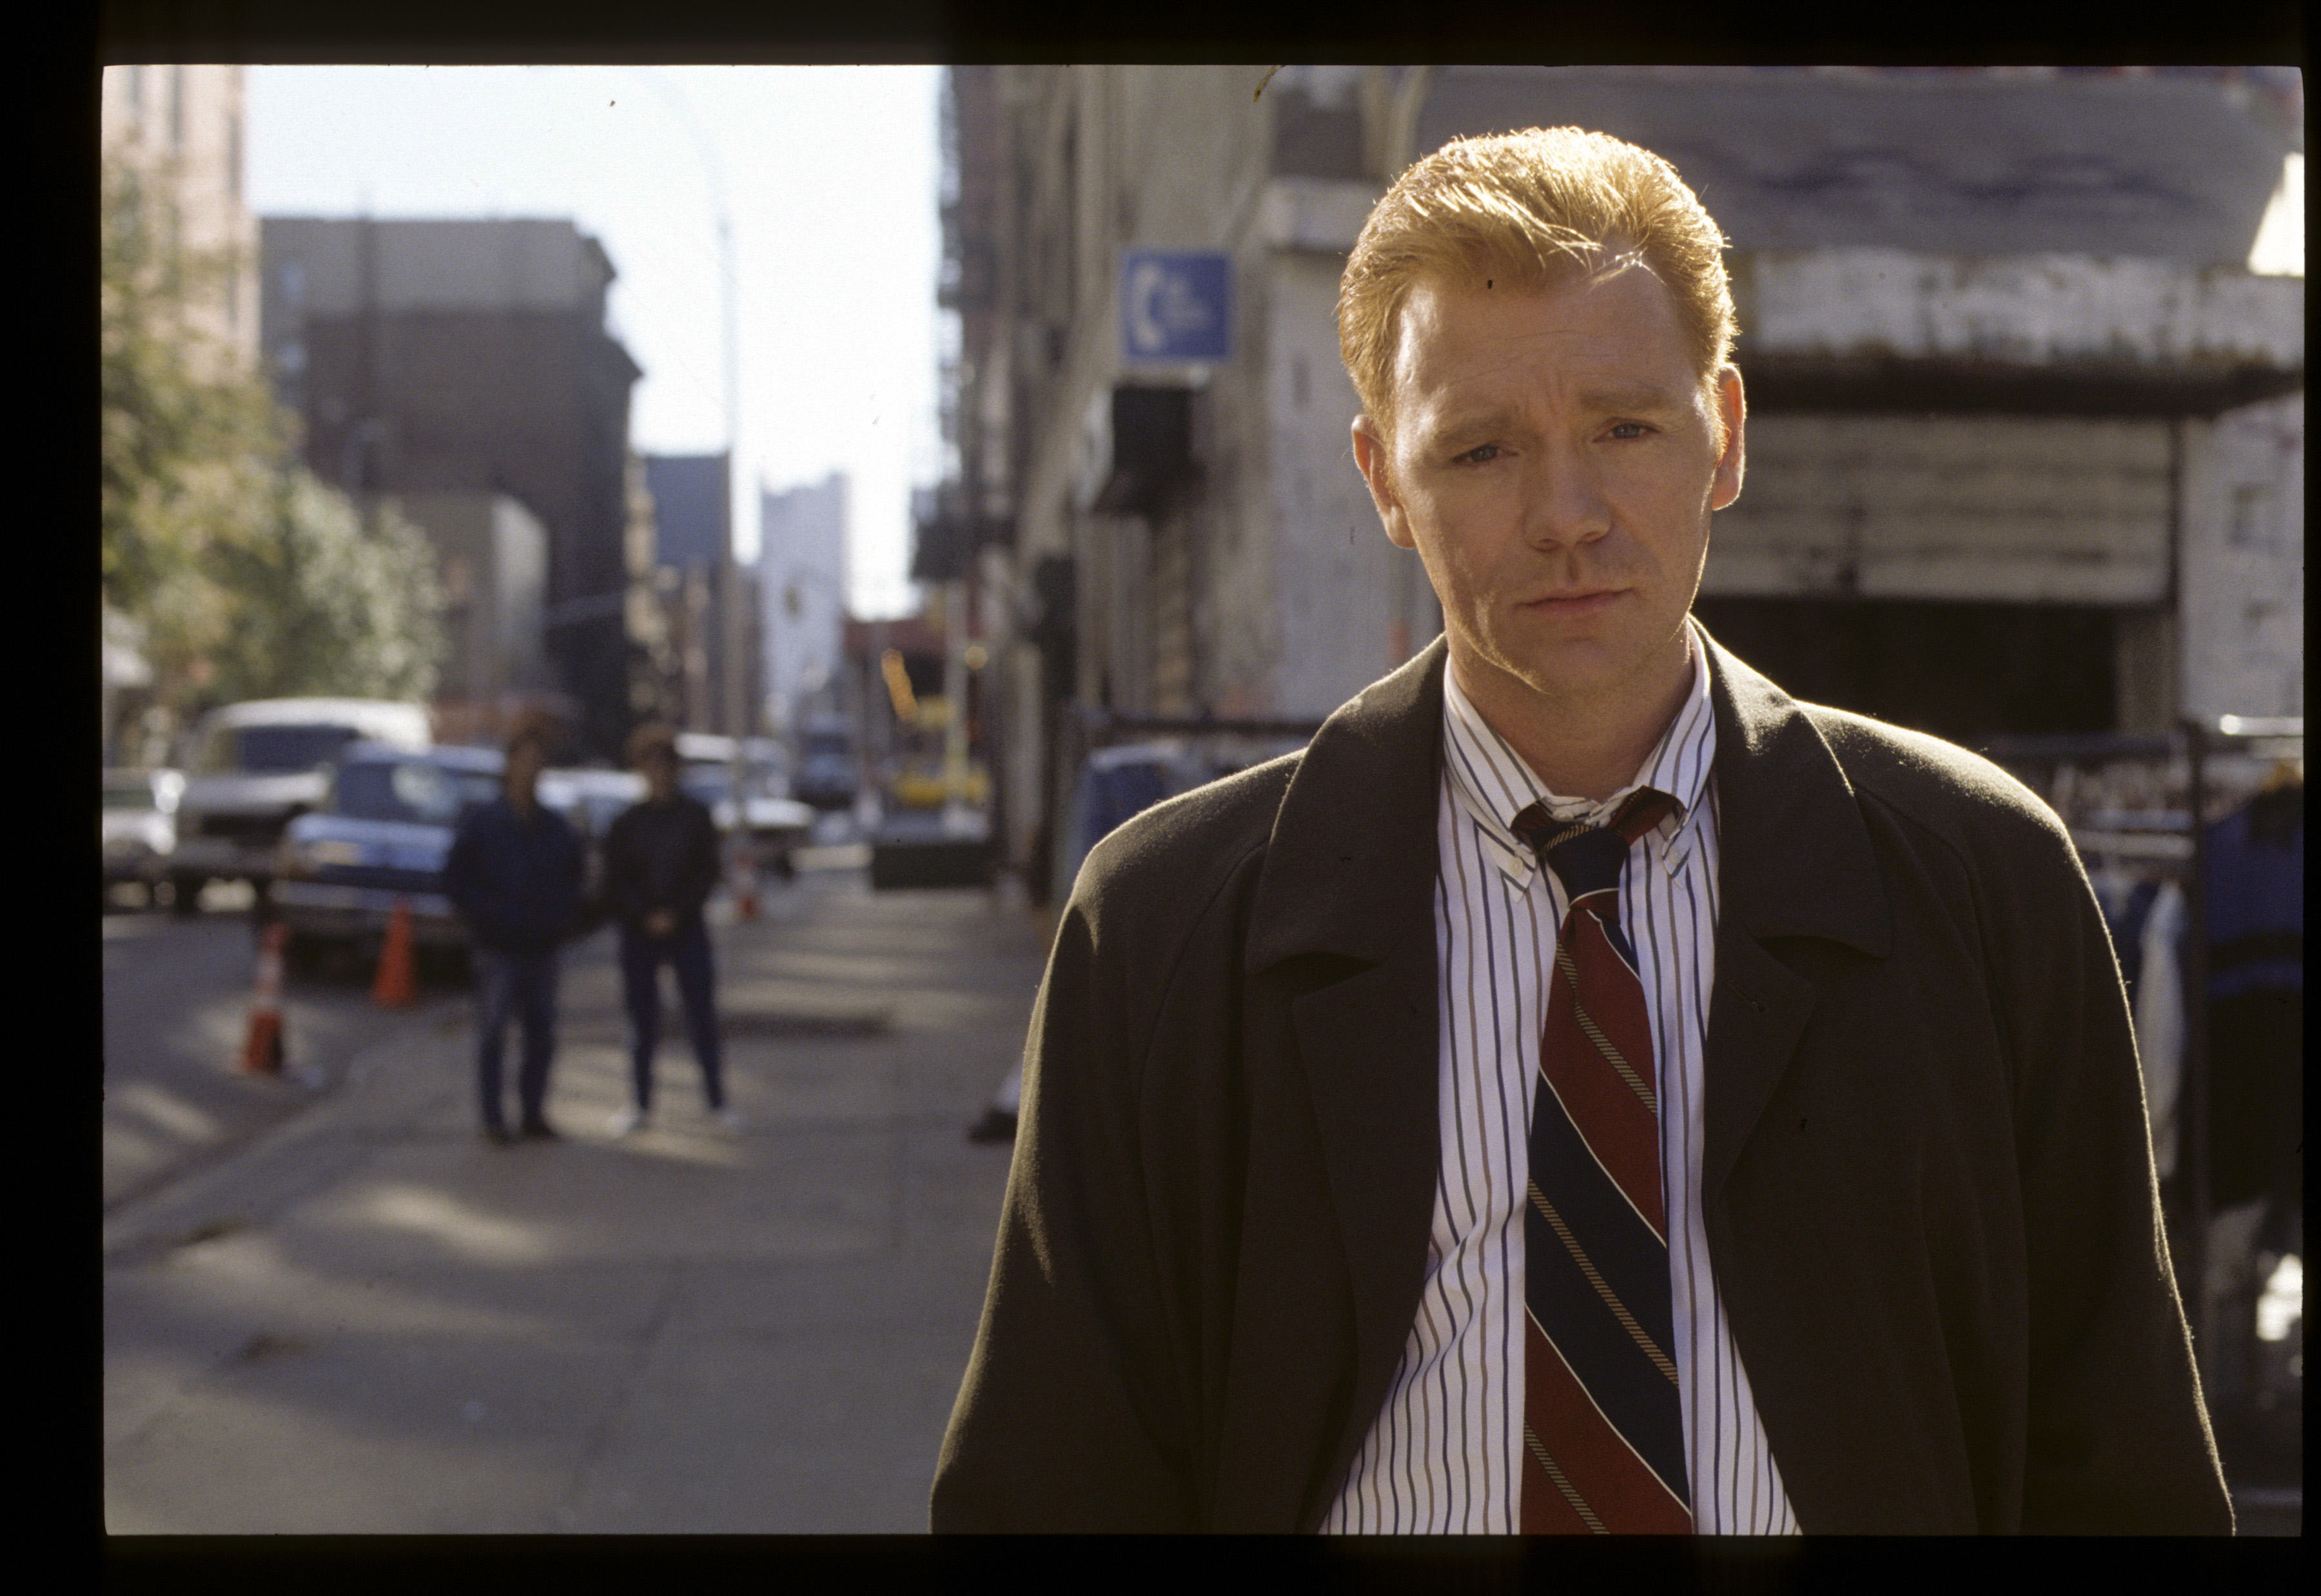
x,y
2220,763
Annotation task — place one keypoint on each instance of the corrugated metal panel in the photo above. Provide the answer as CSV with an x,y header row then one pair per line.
x,y
2062,510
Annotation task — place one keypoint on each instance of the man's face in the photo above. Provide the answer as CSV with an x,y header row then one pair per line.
x,y
660,771
1554,461
524,764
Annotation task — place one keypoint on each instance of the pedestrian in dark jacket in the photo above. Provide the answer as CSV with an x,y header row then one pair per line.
x,y
514,875
661,863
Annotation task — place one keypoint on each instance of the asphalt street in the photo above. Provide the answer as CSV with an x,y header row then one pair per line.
x,y
363,1318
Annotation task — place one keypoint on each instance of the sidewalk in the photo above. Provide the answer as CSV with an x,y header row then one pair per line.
x,y
371,1321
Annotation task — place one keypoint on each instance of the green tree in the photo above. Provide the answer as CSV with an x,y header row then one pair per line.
x,y
327,606
249,577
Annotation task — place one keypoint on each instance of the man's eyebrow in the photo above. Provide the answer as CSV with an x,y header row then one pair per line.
x,y
1469,423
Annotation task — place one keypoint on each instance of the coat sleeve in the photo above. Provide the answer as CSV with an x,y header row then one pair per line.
x,y
2118,1437
466,884
1071,1416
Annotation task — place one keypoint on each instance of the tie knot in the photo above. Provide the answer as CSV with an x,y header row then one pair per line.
x,y
1587,858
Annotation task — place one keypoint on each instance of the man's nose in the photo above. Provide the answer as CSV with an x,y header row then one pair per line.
x,y
1564,502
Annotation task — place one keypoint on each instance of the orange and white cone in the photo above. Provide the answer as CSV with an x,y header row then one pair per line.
x,y
394,987
261,1047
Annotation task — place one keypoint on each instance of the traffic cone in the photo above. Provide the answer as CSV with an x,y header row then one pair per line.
x,y
394,987
261,1047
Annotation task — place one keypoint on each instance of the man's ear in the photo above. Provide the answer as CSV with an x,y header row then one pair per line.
x,y
1733,416
1371,459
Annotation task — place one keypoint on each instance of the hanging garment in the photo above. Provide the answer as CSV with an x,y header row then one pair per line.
x,y
2255,904
2158,1012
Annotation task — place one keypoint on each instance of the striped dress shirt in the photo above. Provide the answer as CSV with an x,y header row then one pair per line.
x,y
1443,1454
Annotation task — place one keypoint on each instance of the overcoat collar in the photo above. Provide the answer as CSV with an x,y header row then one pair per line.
x,y
1352,852
1351,858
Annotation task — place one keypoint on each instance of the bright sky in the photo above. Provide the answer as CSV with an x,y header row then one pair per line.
x,y
829,174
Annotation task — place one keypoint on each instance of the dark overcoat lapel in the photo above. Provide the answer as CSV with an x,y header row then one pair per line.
x,y
1343,929
1793,860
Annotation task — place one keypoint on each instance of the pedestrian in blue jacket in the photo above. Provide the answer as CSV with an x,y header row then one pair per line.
x,y
514,875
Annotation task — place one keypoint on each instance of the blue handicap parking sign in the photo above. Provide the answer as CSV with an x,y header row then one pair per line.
x,y
1176,305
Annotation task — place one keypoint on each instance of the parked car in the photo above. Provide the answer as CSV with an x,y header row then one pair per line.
x,y
255,767
380,835
829,776
141,828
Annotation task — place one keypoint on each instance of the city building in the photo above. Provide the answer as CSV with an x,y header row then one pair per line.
x,y
2025,427
718,668
472,357
802,579
181,126
493,565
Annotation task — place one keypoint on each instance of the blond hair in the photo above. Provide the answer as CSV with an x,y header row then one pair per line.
x,y
1536,210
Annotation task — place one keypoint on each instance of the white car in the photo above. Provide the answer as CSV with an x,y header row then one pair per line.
x,y
258,766
141,827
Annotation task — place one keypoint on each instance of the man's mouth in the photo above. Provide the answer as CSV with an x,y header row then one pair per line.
x,y
1575,601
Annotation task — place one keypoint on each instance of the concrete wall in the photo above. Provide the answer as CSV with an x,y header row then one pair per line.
x,y
492,560
1348,606
2021,509
2034,308
2242,607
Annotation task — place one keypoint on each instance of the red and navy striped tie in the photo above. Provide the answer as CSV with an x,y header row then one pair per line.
x,y
1603,1424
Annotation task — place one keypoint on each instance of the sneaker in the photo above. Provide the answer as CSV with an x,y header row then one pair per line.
x,y
729,1119
628,1121
497,1135
538,1130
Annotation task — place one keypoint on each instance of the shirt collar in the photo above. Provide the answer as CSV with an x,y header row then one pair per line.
x,y
1492,782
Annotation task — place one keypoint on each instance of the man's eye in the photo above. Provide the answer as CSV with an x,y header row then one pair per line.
x,y
1477,455
1629,429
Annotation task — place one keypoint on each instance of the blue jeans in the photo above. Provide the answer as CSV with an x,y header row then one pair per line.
x,y
688,953
521,986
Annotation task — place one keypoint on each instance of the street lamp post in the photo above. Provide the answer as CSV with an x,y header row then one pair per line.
x,y
730,628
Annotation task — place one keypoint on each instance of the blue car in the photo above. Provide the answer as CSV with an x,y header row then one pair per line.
x,y
381,835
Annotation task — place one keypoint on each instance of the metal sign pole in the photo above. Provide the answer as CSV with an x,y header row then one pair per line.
x,y
2194,1153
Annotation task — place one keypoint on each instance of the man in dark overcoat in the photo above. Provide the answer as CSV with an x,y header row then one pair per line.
x,y
1585,1089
